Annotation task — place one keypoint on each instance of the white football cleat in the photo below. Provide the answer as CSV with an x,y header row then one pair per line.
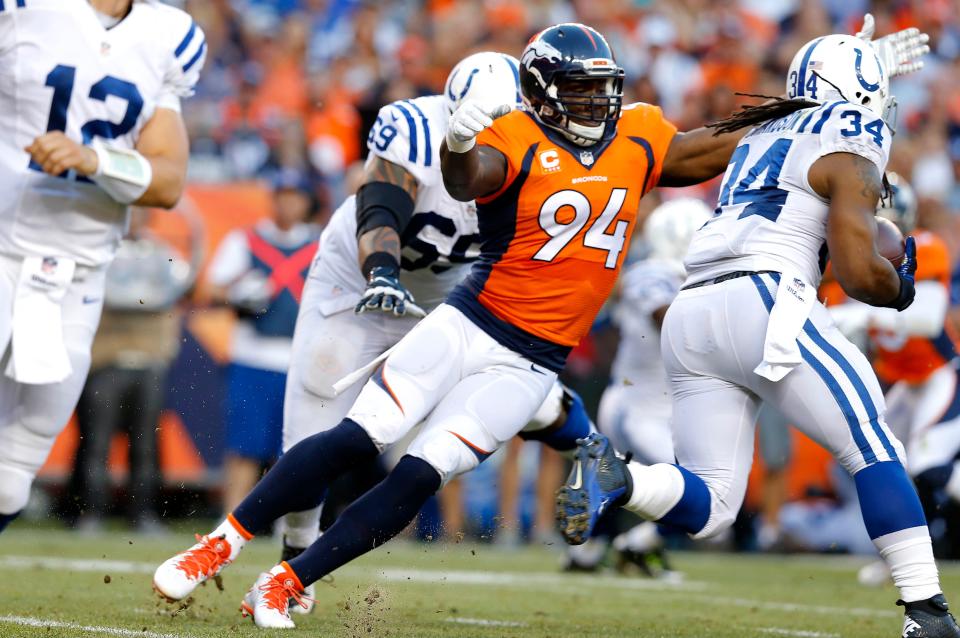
x,y
177,577
268,600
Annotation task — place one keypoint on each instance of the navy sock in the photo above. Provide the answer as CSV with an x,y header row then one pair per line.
x,y
5,519
936,478
577,425
371,520
300,478
888,501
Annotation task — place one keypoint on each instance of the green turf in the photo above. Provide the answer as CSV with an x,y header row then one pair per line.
x,y
407,589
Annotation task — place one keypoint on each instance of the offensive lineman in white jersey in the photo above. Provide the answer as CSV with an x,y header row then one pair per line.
x,y
91,108
808,176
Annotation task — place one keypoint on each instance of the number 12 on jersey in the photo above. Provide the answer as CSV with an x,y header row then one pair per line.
x,y
561,234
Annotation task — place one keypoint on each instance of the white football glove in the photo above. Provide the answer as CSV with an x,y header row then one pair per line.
x,y
469,120
900,52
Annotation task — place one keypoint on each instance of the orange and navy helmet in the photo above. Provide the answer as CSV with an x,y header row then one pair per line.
x,y
571,82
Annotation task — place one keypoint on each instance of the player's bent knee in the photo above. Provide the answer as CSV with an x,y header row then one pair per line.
x,y
447,453
14,489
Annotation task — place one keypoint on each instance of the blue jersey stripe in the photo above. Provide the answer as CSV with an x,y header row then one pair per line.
x,y
807,119
428,150
186,40
826,116
413,131
22,4
196,57
801,81
853,422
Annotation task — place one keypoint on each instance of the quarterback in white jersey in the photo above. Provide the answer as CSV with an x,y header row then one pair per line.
x,y
91,106
746,327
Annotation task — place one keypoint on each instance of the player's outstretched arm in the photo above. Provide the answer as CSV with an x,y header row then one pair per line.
x,y
152,175
853,185
385,204
471,171
698,155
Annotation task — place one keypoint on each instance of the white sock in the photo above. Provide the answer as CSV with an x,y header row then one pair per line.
x,y
656,489
234,534
302,529
909,554
953,485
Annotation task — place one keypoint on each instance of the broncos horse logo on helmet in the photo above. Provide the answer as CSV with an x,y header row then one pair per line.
x,y
570,81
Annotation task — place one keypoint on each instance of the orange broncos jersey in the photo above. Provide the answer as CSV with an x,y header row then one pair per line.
x,y
913,359
556,233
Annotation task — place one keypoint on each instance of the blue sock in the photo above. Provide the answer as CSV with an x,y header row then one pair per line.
x,y
576,426
888,501
692,511
5,519
300,478
371,520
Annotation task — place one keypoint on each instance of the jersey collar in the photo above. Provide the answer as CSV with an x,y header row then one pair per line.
x,y
586,156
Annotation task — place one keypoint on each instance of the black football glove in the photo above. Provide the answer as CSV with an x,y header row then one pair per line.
x,y
384,292
906,271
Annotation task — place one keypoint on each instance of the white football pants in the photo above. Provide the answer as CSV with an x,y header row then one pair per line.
x,y
32,416
712,340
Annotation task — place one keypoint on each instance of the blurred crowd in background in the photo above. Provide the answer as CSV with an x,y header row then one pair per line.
x,y
292,86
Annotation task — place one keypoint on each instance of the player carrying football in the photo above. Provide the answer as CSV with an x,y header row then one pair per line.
x,y
746,327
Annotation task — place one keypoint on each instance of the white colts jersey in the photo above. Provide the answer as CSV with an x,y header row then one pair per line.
x,y
61,70
646,286
768,217
442,237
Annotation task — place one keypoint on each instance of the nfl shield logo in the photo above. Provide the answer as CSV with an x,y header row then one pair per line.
x,y
104,48
49,265
586,158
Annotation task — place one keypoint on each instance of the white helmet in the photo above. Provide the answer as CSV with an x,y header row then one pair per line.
x,y
670,227
842,67
487,77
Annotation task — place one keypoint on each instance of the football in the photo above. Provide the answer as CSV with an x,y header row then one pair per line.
x,y
890,241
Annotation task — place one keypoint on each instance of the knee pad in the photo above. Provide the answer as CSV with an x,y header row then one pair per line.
x,y
14,489
326,359
24,448
563,437
447,453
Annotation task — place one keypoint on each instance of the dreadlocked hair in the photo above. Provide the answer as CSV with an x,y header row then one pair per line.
x,y
758,114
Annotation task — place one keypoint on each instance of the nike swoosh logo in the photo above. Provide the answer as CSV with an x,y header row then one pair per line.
x,y
89,300
578,482
534,368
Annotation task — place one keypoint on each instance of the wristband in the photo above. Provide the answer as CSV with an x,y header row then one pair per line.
x,y
124,174
381,260
459,146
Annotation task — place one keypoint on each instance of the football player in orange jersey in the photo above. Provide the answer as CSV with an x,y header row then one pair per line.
x,y
558,186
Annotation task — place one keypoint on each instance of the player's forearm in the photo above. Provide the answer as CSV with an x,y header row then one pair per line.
x,y
698,155
167,185
377,244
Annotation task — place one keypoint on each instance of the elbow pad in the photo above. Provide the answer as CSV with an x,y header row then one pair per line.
x,y
124,174
382,204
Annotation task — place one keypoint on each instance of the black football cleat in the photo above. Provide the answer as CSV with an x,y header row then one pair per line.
x,y
929,619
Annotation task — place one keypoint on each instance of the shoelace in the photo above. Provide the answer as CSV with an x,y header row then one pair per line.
x,y
206,559
278,592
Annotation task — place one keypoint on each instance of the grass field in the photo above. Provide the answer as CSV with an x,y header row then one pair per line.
x,y
56,583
